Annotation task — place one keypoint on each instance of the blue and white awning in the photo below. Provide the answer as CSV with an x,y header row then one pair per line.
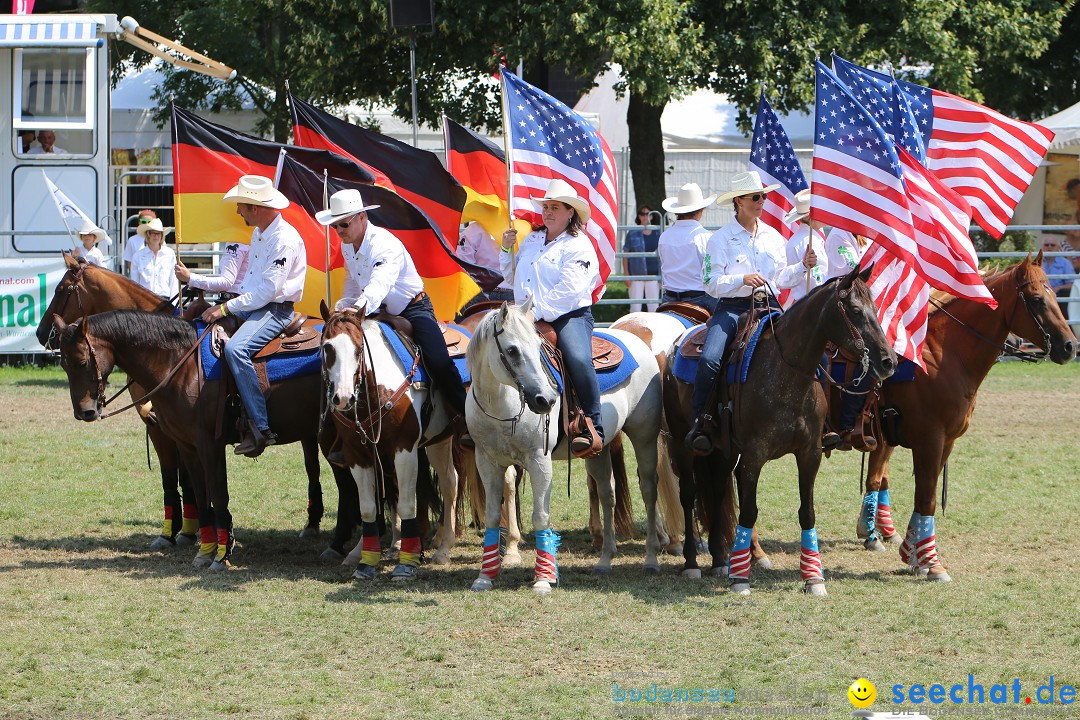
x,y
49,33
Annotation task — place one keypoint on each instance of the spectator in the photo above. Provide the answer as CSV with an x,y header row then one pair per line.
x,y
1057,266
642,240
153,266
1073,308
47,138
479,248
89,235
135,242
28,141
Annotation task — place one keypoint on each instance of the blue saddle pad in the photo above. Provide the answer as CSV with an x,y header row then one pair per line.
x,y
607,378
278,367
405,356
686,322
685,369
905,371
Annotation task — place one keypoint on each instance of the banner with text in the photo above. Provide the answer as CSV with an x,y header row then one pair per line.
x,y
26,289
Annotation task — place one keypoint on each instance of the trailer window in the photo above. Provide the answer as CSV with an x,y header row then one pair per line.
x,y
54,88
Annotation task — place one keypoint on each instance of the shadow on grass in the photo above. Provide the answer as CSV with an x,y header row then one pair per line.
x,y
60,383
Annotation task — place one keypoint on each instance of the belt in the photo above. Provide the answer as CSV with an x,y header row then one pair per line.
x,y
685,295
419,296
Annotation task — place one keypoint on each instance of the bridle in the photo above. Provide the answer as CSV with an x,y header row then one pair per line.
x,y
72,288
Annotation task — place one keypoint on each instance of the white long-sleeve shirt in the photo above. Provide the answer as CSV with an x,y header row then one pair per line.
x,y
479,248
156,271
734,252
682,254
233,266
560,275
94,256
796,248
843,252
277,267
379,271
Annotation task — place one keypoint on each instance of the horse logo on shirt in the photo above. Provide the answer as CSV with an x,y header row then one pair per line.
x,y
584,263
232,249
280,262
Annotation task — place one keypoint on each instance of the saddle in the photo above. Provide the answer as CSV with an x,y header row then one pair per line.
x,y
300,335
605,354
693,313
457,342
868,422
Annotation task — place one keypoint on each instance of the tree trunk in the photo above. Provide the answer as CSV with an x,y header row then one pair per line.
x,y
646,152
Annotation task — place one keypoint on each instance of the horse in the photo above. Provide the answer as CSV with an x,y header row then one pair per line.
x,y
379,416
509,409
779,408
86,289
158,351
963,341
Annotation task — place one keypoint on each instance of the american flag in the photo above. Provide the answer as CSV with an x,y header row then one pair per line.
x,y
773,157
987,157
548,140
901,297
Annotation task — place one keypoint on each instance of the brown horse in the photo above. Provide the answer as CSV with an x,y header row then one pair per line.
x,y
153,349
779,408
963,341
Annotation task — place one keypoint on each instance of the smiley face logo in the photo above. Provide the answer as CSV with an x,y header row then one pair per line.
x,y
862,693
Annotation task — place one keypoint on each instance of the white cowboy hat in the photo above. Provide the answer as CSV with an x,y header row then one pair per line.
x,y
89,228
746,183
257,190
152,226
801,209
562,191
343,204
688,200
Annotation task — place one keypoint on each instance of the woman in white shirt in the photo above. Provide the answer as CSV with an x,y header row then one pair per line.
x,y
843,251
89,235
557,265
154,265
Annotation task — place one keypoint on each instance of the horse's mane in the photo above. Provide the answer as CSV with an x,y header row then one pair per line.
x,y
129,285
939,299
141,329
485,331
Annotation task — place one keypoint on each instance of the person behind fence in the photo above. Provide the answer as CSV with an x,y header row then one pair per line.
x,y
479,248
557,265
89,235
681,248
274,282
136,241
645,270
1059,265
47,140
152,266
232,266
741,257
380,275
799,246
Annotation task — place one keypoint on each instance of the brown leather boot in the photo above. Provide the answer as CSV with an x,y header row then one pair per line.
x,y
254,442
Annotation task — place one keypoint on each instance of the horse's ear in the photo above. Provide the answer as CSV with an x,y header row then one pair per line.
x,y
70,261
504,309
1038,258
58,323
527,306
865,273
324,311
84,325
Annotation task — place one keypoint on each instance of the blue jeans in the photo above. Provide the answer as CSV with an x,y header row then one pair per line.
x,y
428,337
702,300
260,327
722,327
851,405
575,343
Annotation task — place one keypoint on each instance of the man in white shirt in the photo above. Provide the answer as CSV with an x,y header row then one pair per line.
x,y
798,245
273,283
682,248
47,138
379,273
233,266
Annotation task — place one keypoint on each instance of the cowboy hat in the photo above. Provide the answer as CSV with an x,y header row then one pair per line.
x,y
152,226
343,204
562,191
688,200
746,183
257,190
89,228
801,209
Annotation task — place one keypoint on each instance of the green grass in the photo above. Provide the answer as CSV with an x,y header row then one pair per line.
x,y
94,625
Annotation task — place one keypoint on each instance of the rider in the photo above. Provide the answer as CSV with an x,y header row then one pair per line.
x,y
233,267
273,283
557,265
682,248
744,255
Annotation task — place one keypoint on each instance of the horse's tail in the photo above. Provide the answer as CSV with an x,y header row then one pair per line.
x,y
624,511
667,488
473,488
458,454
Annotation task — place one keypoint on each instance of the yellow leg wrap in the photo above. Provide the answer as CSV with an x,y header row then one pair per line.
x,y
190,526
208,549
408,558
370,557
166,528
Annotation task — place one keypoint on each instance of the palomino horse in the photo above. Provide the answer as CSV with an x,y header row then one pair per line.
x,y
87,290
156,351
380,417
779,408
512,411
963,341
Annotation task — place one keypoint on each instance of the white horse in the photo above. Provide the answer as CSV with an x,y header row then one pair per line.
x,y
377,404
513,411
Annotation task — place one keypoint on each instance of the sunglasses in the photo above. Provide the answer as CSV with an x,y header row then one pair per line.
x,y
145,221
341,225
757,196
644,212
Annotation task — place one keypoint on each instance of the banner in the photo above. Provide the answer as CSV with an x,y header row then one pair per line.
x,y
26,289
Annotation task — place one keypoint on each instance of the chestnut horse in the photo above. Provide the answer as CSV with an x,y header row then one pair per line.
x,y
779,408
963,341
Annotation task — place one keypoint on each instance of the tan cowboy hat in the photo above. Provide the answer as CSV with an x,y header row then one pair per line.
x,y
562,191
801,209
257,190
343,204
155,226
746,183
688,200
89,228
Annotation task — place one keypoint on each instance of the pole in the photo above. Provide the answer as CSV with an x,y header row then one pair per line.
x,y
326,228
412,77
507,148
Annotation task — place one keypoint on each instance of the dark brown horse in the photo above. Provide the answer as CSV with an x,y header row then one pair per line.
x,y
778,409
153,350
87,290
963,341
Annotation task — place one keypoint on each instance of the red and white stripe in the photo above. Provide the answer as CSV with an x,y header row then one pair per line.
x,y
545,567
491,563
884,522
987,157
901,297
778,203
907,547
810,565
926,552
739,565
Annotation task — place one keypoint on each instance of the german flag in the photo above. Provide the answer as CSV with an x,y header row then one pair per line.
x,y
207,161
444,282
416,175
480,166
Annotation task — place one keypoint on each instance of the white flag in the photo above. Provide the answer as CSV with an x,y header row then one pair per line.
x,y
64,205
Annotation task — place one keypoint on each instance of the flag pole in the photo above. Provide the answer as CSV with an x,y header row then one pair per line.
x,y
326,228
507,145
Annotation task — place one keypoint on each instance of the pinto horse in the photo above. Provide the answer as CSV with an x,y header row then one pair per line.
x,y
157,351
779,409
512,411
963,341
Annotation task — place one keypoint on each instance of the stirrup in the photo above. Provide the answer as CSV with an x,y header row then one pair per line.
x,y
831,440
699,440
586,445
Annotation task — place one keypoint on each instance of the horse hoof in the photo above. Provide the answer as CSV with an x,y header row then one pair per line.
x,y
763,563
692,573
919,571
203,561
873,545
652,569
602,570
893,539
512,559
331,555
938,574
674,549
309,532
740,588
542,587
815,588
860,529
719,571
351,560
404,573
220,566
365,572
441,557
162,543
185,539
483,583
